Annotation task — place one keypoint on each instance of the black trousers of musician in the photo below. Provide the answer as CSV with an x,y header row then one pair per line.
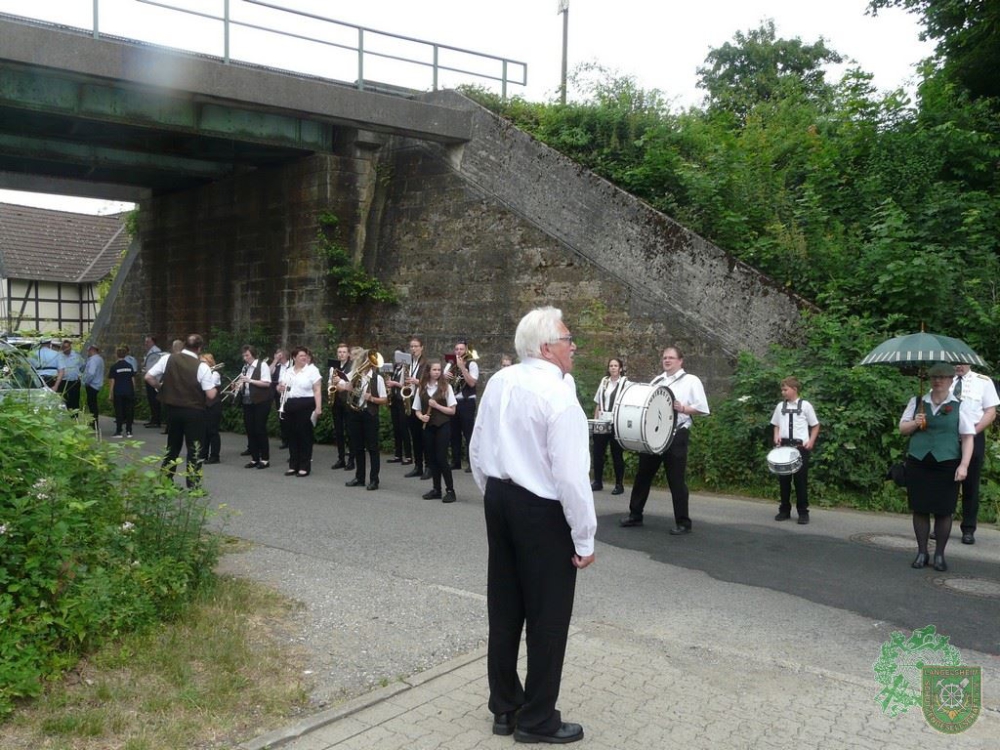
x,y
362,429
70,390
416,441
462,425
92,404
798,479
154,405
298,416
403,447
675,461
601,444
530,581
436,442
184,426
970,487
341,432
255,422
213,441
124,413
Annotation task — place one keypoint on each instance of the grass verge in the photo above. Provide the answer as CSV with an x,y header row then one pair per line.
x,y
212,679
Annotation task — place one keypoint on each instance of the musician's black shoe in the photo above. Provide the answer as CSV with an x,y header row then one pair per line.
x,y
212,460
803,519
372,486
629,522
252,465
354,482
350,466
263,464
406,461
968,537
618,490
596,486
395,460
564,734
920,561
339,465
449,497
291,473
468,469
151,424
414,473
426,474
432,495
939,564
783,515
246,452
679,530
503,724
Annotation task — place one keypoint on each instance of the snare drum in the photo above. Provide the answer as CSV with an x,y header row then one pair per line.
x,y
644,418
784,460
601,426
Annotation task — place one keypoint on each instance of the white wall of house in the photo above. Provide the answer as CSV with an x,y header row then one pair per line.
x,y
47,306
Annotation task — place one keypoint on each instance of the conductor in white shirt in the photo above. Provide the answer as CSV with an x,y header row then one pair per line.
x,y
529,456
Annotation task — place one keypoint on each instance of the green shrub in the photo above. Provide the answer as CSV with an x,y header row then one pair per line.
x,y
94,542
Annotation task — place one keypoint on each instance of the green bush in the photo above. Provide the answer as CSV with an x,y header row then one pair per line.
x,y
94,542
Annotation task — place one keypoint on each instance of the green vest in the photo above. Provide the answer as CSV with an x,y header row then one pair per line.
x,y
941,436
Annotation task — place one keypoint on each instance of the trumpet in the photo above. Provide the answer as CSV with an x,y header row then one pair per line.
x,y
281,403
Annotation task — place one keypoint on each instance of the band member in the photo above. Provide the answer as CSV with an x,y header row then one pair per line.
x,y
365,396
255,397
611,388
71,366
121,384
339,408
505,361
979,397
213,417
401,439
301,387
795,424
185,385
463,377
281,363
434,403
689,400
153,353
417,368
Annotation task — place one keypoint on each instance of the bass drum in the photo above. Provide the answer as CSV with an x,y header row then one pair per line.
x,y
644,418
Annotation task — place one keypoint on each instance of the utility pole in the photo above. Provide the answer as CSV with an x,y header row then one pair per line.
x,y
564,9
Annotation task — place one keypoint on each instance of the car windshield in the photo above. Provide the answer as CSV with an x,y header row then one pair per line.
x,y
15,371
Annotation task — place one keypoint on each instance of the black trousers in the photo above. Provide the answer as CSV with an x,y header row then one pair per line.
x,y
416,441
255,422
340,430
213,441
298,416
185,426
462,425
124,413
403,447
362,428
798,480
675,461
436,441
154,404
970,487
92,404
601,444
530,582
70,390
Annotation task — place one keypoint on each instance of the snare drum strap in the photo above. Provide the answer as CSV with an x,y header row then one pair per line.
x,y
792,413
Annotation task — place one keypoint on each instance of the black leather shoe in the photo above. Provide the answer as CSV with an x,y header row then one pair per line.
x,y
566,733
618,490
212,460
503,724
246,452
968,537
939,564
371,486
630,521
803,519
353,483
413,473
251,465
291,473
350,466
263,464
151,424
782,515
394,460
339,465
468,469
596,486
449,497
426,474
679,530
406,462
920,561
432,495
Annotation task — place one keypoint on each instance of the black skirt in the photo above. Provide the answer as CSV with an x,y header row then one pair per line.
x,y
931,485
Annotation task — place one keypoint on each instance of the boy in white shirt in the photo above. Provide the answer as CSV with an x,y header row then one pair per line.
x,y
795,424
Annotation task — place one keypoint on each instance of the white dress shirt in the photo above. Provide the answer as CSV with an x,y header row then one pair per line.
x,y
687,390
803,417
978,394
531,430
608,392
300,384
431,390
473,369
205,379
966,425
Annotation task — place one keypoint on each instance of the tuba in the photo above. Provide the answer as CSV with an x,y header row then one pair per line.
x,y
361,376
471,355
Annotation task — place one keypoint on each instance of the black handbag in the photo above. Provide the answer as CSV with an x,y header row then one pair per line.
x,y
897,473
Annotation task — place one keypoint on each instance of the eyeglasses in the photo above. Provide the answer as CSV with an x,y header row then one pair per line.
x,y
568,339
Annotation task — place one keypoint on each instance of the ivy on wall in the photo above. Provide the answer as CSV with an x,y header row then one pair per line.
x,y
353,282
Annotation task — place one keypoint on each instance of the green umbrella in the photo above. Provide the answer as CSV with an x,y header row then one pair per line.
x,y
918,349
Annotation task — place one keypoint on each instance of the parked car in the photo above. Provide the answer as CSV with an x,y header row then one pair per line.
x,y
19,381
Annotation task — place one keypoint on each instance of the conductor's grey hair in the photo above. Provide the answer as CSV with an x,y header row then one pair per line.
x,y
540,326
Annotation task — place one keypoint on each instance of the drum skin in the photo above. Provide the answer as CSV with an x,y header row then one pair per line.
x,y
644,418
784,460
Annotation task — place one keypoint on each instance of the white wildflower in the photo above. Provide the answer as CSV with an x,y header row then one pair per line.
x,y
128,526
743,399
3,529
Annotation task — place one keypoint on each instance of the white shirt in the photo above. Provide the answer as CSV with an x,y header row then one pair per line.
x,y
248,370
803,417
300,384
978,394
531,429
473,369
607,390
966,425
688,390
431,390
205,379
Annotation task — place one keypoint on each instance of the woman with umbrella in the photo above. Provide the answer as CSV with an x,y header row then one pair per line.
x,y
937,460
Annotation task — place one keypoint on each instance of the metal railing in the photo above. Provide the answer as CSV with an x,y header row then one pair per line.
x,y
510,72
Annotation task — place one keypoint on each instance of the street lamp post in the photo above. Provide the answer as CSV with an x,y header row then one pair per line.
x,y
564,9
